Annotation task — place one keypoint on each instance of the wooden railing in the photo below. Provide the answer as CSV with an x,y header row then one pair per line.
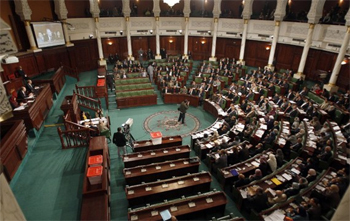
x,y
88,91
74,138
73,72
87,102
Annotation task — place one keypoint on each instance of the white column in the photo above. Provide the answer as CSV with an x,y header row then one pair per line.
x,y
331,86
102,61
274,43
243,41
186,39
65,32
306,48
128,38
213,46
10,209
158,56
32,43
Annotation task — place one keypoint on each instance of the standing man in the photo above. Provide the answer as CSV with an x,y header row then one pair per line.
x,y
120,141
140,52
183,108
19,73
150,71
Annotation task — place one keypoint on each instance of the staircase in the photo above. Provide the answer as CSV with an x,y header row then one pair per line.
x,y
195,66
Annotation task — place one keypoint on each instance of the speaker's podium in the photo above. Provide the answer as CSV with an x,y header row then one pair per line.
x,y
156,137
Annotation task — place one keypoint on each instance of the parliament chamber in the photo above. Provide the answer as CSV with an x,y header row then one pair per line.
x,y
268,81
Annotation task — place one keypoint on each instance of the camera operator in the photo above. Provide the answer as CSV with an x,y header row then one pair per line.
x,y
183,108
120,141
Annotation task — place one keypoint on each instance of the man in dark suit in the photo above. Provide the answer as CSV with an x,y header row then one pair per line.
x,y
290,94
22,94
30,86
120,141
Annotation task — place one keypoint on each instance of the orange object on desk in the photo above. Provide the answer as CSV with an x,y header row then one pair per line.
x,y
95,175
95,160
101,82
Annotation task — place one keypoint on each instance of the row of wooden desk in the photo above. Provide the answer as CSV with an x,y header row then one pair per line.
x,y
14,144
155,156
185,208
166,142
178,98
35,113
96,198
168,189
162,170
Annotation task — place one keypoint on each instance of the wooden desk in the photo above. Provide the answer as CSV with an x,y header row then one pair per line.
x,y
144,145
265,182
178,98
183,210
168,189
225,176
56,81
154,156
35,113
163,170
95,201
14,84
214,109
305,194
14,143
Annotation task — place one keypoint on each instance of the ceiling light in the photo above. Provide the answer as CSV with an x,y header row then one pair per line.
x,y
171,3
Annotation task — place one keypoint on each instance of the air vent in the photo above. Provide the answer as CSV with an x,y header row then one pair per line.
x,y
202,32
110,32
298,39
263,36
334,45
171,30
141,31
231,33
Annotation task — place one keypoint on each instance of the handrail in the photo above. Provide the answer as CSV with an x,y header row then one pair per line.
x,y
88,91
74,138
73,72
88,102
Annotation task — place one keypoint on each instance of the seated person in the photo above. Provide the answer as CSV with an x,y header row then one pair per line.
x,y
30,86
241,181
258,201
14,103
272,162
293,190
326,154
298,214
22,94
256,176
221,162
313,208
280,197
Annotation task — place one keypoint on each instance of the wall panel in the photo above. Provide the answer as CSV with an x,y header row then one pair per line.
x,y
199,50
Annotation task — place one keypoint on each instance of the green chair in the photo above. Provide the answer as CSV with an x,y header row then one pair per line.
x,y
107,134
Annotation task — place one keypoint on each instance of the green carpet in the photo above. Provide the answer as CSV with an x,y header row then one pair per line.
x,y
48,184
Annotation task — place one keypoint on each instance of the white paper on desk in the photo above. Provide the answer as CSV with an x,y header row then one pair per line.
x,y
134,217
31,101
243,194
173,208
342,157
153,153
320,188
154,213
336,128
282,141
191,204
273,193
208,145
19,108
127,172
99,76
256,164
148,188
130,192
143,170
287,176
277,215
217,156
263,126
295,171
172,165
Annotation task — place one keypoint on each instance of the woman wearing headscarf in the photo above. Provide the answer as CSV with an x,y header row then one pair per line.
x,y
272,162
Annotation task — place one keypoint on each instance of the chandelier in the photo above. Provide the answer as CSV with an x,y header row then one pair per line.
x,y
171,3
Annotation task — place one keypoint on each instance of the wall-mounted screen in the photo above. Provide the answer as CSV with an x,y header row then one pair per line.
x,y
48,34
